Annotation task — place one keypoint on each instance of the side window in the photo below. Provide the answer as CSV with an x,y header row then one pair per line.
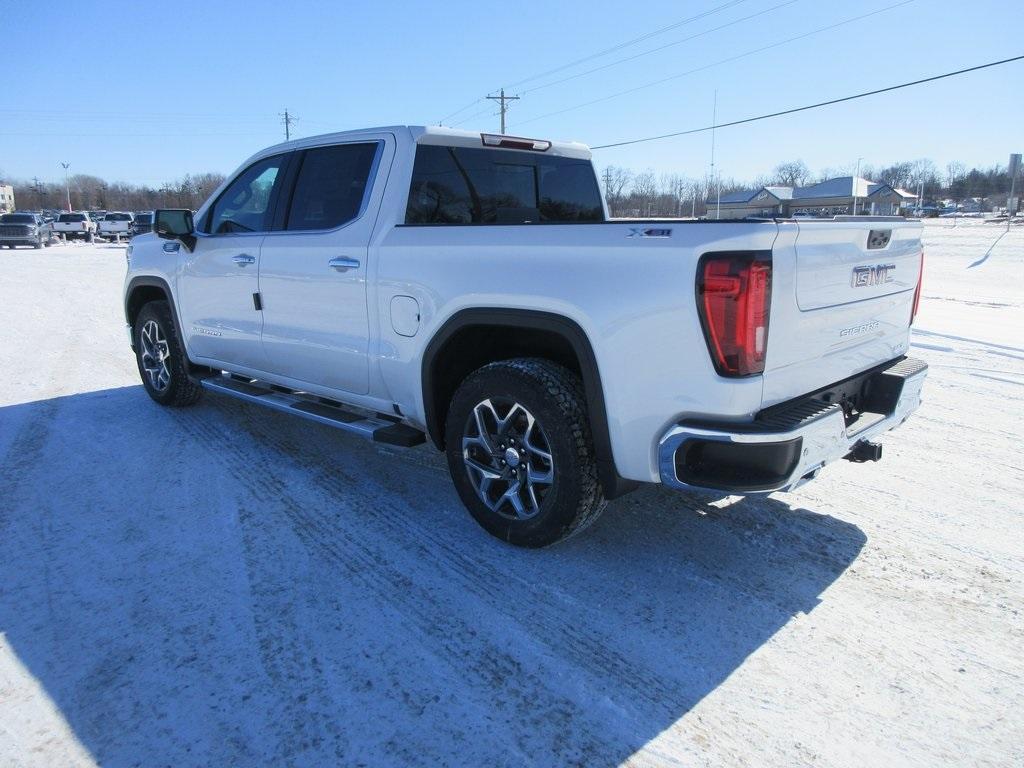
x,y
330,186
245,205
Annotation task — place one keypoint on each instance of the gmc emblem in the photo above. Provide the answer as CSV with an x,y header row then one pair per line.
x,y
876,275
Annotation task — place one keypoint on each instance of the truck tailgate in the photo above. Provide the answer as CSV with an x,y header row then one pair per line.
x,y
842,298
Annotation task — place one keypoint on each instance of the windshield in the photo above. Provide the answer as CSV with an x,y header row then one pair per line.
x,y
71,217
118,217
17,218
144,218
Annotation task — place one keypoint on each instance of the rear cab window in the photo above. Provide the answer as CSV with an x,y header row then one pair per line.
x,y
68,218
466,185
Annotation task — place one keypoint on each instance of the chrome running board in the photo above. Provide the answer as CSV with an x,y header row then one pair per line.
x,y
321,410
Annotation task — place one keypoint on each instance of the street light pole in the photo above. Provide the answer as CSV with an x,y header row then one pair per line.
x,y
67,184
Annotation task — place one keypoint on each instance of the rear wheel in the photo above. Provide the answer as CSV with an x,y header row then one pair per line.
x,y
161,357
520,452
38,243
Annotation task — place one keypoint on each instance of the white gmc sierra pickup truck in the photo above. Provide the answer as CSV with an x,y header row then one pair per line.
x,y
409,283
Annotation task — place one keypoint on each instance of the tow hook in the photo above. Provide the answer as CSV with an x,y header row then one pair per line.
x,y
864,450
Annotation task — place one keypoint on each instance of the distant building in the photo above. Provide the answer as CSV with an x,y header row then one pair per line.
x,y
832,197
6,198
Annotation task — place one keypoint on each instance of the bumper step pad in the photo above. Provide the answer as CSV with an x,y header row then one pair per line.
x,y
368,426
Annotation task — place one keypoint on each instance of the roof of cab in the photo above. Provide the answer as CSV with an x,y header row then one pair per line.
x,y
427,134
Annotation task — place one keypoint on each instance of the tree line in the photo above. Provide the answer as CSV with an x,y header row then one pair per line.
x,y
646,193
90,193
628,193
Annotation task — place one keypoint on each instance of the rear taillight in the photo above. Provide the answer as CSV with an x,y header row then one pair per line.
x,y
917,291
734,297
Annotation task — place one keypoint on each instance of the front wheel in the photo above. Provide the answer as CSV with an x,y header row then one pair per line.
x,y
520,452
161,357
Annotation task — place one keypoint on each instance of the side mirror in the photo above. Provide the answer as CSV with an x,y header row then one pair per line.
x,y
175,224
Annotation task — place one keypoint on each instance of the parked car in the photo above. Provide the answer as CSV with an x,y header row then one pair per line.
x,y
75,225
115,225
405,283
25,229
96,216
142,224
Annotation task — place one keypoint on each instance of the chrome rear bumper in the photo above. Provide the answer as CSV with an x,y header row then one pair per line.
x,y
786,447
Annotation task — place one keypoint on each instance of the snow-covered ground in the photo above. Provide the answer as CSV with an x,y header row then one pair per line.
x,y
225,586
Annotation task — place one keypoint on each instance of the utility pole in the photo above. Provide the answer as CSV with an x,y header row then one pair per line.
x,y
608,188
856,186
714,179
287,119
67,183
502,106
37,192
1011,201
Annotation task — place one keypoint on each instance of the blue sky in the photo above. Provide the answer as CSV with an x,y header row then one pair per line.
x,y
189,87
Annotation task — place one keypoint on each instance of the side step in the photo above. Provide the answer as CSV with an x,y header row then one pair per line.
x,y
316,409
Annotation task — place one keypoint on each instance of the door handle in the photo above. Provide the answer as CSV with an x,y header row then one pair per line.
x,y
342,264
242,259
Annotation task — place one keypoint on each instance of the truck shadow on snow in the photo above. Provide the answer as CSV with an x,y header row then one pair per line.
x,y
220,585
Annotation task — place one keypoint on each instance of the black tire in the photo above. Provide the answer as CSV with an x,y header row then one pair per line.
x,y
38,243
554,397
89,237
178,390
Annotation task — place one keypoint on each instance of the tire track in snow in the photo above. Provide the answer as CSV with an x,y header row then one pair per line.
x,y
537,611
435,603
307,728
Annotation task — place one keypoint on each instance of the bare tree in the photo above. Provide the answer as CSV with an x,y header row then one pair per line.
x,y
615,182
954,172
792,173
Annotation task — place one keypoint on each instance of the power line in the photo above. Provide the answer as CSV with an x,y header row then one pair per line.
x,y
474,115
473,103
659,48
812,106
634,41
590,57
663,80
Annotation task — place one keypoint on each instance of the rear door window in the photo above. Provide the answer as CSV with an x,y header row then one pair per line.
x,y
331,185
464,185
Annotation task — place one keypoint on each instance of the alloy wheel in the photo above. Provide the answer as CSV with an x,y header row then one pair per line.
x,y
155,354
508,458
